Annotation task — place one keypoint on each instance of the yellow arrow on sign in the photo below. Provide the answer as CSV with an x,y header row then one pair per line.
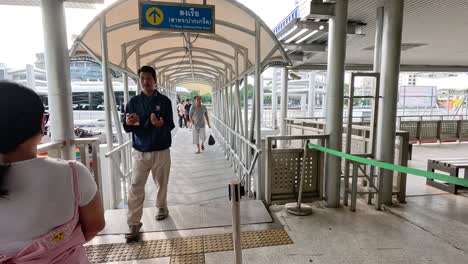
x,y
154,16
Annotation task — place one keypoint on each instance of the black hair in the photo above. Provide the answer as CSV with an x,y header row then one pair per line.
x,y
187,100
148,69
21,110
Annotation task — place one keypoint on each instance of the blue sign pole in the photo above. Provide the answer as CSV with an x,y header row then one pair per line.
x,y
177,17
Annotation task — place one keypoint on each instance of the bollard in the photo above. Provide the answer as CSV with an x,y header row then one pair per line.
x,y
234,197
299,208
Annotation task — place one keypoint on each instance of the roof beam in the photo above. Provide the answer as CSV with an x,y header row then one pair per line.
x,y
166,58
190,75
171,71
141,41
306,47
175,69
181,74
197,80
196,77
218,69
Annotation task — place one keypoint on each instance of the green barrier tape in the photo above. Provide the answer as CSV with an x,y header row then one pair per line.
x,y
393,167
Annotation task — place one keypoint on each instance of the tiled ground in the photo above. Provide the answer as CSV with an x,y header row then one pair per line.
x,y
432,227
195,178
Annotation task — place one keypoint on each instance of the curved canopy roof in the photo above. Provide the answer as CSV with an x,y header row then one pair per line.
x,y
183,57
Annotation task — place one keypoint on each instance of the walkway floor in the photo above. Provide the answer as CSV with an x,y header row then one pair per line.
x,y
432,227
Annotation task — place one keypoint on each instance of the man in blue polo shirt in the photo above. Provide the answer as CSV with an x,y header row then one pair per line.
x,y
148,116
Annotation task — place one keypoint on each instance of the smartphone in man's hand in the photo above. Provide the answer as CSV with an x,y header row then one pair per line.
x,y
133,119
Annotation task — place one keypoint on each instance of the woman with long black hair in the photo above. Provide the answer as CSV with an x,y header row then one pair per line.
x,y
48,207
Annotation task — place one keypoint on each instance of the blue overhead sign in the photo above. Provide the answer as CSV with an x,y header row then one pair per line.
x,y
293,15
177,17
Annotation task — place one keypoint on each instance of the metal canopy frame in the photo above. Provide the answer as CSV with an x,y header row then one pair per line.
x,y
224,49
243,45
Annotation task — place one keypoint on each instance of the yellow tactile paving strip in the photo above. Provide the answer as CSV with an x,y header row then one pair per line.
x,y
122,252
187,250
156,249
187,245
189,259
215,243
98,254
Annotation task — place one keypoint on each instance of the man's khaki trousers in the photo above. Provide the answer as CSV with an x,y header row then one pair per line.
x,y
159,163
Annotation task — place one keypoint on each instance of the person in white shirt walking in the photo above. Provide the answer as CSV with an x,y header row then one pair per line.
x,y
198,114
181,113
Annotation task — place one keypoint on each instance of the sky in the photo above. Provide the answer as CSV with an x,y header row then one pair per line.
x,y
22,34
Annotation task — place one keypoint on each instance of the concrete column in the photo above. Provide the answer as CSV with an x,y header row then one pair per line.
x,y
393,20
58,75
334,120
311,101
284,101
274,99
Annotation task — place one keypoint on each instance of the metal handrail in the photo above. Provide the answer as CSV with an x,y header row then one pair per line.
x,y
50,145
253,146
85,140
244,166
303,137
432,116
108,154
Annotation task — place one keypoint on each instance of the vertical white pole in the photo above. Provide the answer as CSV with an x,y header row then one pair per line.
x,y
311,94
258,130
262,97
107,109
58,75
284,100
234,196
137,63
274,99
246,120
303,103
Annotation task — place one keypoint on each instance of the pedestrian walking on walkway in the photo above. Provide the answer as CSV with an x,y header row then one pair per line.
x,y
188,105
198,114
181,113
149,119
